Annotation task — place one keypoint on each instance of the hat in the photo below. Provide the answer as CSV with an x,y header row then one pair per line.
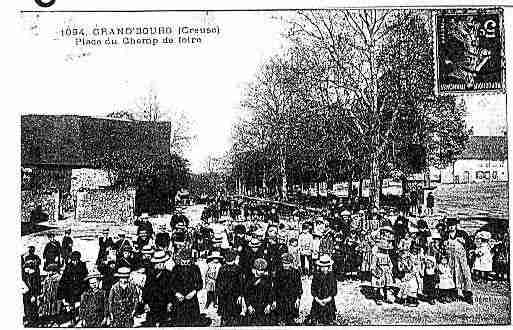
x,y
179,236
93,274
147,249
230,255
345,213
287,258
324,261
159,256
144,216
223,219
260,264
215,255
239,229
485,235
105,230
255,242
123,272
67,230
52,268
75,255
452,221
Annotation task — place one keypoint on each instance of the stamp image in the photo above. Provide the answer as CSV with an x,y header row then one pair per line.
x,y
469,51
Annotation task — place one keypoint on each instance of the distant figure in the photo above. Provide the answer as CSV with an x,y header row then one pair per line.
x,y
66,246
430,203
52,252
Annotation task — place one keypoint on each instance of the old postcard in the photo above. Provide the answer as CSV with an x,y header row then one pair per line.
x,y
235,167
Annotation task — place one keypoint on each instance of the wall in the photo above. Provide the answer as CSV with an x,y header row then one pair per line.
x,y
48,201
473,166
105,205
88,178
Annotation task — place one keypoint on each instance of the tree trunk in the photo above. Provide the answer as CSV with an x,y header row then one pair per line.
x,y
374,191
283,170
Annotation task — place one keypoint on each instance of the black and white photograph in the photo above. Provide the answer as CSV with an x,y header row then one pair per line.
x,y
329,166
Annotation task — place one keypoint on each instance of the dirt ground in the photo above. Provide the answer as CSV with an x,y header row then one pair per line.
x,y
492,300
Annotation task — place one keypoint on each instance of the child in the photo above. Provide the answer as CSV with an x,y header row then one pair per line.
x,y
258,295
483,261
289,289
324,290
365,250
381,270
92,312
409,287
229,289
431,279
446,285
305,243
294,251
214,264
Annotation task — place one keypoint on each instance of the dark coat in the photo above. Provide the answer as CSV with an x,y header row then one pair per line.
x,y
157,294
323,286
258,293
72,283
108,279
185,279
52,254
272,254
66,247
103,244
288,288
93,305
247,258
229,286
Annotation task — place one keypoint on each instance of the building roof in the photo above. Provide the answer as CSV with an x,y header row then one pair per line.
x,y
77,141
486,148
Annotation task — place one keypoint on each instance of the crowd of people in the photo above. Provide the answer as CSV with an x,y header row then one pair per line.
x,y
257,261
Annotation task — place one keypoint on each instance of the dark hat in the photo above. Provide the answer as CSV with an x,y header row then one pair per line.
x,y
159,256
179,236
215,255
127,248
123,272
287,258
324,261
239,229
67,230
230,255
260,264
93,274
76,255
452,221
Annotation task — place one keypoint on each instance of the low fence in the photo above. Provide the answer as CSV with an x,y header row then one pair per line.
x,y
105,205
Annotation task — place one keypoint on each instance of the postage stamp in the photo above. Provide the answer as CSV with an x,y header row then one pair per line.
x,y
469,50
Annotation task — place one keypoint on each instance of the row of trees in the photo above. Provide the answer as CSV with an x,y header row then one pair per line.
x,y
352,97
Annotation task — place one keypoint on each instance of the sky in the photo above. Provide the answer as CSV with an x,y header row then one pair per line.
x,y
205,81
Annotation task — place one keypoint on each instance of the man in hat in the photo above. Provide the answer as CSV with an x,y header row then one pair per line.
x,y
240,243
229,290
104,242
273,250
457,257
72,283
185,284
32,256
122,302
93,301
288,288
324,290
157,296
248,257
259,295
143,239
52,252
142,260
66,246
